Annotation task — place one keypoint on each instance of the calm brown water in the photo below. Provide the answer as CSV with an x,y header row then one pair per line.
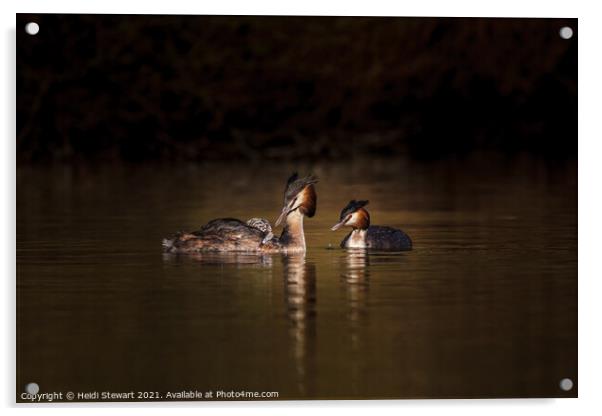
x,y
484,306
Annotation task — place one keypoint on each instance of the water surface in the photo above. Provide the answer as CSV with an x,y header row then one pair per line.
x,y
484,306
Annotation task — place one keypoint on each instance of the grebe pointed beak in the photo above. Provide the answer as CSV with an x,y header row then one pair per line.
x,y
282,216
338,225
267,238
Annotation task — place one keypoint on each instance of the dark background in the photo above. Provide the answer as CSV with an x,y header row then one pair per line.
x,y
141,88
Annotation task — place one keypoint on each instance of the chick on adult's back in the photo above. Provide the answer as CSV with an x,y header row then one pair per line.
x,y
230,234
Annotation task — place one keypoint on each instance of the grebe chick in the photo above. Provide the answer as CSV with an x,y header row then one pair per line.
x,y
230,234
365,235
264,226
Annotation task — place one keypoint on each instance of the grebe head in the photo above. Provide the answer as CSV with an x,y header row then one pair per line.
x,y
300,194
354,215
264,226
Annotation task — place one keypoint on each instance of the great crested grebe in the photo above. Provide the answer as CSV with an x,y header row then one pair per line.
x,y
229,234
365,235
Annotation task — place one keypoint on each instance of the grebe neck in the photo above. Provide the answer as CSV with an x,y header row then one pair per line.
x,y
357,239
292,237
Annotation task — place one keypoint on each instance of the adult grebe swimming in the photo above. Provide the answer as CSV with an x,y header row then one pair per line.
x,y
229,234
365,235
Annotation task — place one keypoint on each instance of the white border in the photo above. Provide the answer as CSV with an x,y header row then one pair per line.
x,y
590,206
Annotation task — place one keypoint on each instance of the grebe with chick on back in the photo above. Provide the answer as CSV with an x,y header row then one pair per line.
x,y
230,234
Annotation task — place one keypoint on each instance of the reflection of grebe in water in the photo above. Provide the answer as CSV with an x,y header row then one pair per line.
x,y
356,261
300,296
356,283
229,234
365,235
229,259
